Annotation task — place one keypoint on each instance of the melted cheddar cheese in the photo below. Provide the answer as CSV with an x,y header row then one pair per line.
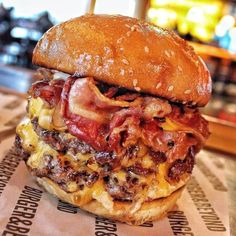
x,y
170,125
45,115
27,134
38,149
37,109
157,186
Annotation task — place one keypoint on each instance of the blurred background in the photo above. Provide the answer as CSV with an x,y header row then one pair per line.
x,y
209,25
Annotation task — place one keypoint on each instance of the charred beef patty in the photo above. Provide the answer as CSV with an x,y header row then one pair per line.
x,y
125,137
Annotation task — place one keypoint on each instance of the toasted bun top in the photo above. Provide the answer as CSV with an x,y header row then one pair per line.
x,y
129,53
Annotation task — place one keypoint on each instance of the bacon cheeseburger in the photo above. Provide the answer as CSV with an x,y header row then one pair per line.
x,y
117,136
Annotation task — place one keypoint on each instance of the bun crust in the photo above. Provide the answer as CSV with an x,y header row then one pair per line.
x,y
122,212
129,53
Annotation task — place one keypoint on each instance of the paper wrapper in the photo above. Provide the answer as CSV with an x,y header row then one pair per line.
x,y
26,209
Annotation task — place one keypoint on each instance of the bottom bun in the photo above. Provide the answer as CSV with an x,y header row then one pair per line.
x,y
149,211
122,211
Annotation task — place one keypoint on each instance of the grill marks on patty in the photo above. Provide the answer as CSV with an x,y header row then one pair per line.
x,y
135,126
123,190
107,161
180,167
59,142
19,149
157,156
61,171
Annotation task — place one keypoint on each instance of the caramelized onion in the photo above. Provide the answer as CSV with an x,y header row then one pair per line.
x,y
57,119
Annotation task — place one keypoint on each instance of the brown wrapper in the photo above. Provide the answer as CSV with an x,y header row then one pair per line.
x,y
26,209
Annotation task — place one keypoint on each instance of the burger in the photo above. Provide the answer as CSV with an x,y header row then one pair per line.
x,y
113,124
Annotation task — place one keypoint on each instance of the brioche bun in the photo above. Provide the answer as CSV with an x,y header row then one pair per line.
x,y
127,52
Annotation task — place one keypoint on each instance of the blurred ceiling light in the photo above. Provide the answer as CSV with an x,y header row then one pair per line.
x,y
225,24
232,34
162,22
220,30
163,17
13,48
213,9
35,35
183,27
196,15
187,3
202,33
227,21
152,13
159,2
178,3
19,32
23,33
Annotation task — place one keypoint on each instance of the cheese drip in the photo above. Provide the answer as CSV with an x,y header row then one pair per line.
x,y
157,185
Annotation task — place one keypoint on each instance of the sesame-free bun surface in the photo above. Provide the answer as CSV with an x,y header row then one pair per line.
x,y
129,53
122,212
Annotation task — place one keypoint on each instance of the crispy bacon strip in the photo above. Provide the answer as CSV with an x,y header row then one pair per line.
x,y
109,123
85,129
191,118
49,91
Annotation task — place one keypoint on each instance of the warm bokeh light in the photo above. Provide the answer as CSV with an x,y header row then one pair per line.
x,y
196,15
225,33
166,18
196,18
183,27
227,21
